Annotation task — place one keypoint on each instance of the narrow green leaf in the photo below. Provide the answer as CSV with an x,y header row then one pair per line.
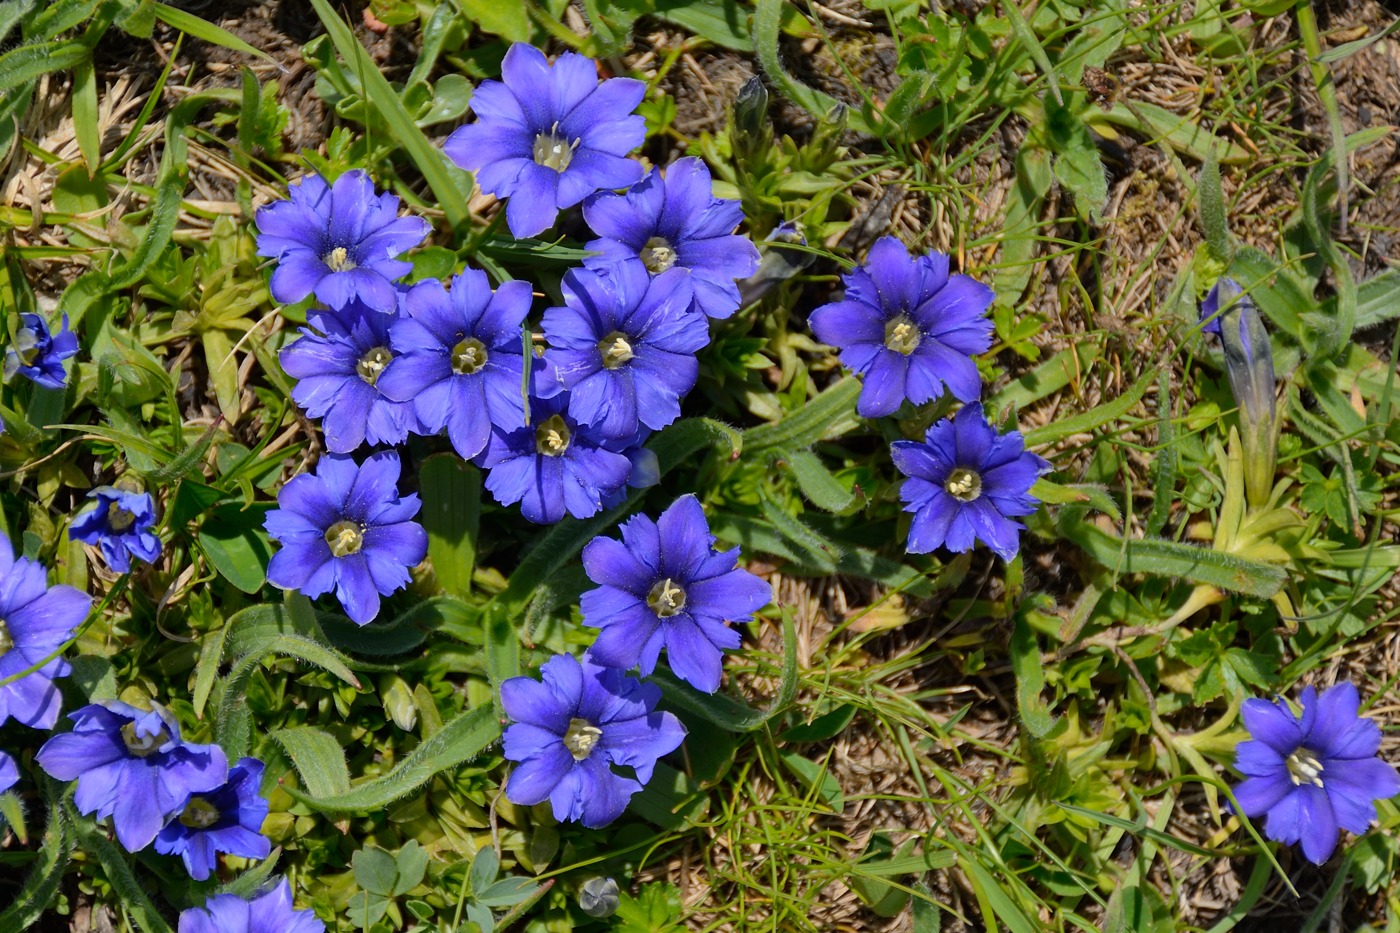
x,y
209,32
85,118
767,20
11,13
32,900
1347,49
817,484
12,816
1026,36
996,903
1030,680
451,492
211,656
318,758
1164,462
128,889
1210,201
829,415
165,211
1049,377
28,62
1094,418
459,740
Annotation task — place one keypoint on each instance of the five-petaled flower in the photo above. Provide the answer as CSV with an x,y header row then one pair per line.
x,y
677,223
226,819
37,354
346,528
462,361
665,586
339,373
571,729
966,481
1312,774
131,765
339,242
119,524
270,912
624,346
554,466
547,136
909,328
35,620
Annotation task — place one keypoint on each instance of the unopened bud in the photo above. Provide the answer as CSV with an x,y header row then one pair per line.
x,y
598,897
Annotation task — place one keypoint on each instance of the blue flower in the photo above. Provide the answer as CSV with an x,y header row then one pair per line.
x,y
675,224
665,586
120,524
346,528
132,766
38,355
966,482
554,465
550,135
1314,774
338,375
571,729
338,242
624,346
9,772
226,819
462,358
35,620
909,328
271,912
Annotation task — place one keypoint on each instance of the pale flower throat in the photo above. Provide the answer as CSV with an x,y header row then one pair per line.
x,y
580,738
345,538
118,518
371,366
143,745
615,349
199,814
468,357
339,260
552,437
1304,767
666,598
964,484
902,334
657,255
554,151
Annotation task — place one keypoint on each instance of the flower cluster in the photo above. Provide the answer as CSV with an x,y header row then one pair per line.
x,y
910,329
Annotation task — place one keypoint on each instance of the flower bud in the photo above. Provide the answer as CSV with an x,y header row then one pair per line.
x,y
1249,364
598,897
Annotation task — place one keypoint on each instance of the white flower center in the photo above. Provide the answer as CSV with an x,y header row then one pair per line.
x,y
615,349
372,364
143,745
199,814
552,437
666,598
345,538
339,260
554,151
1304,768
581,737
657,255
964,484
902,335
468,356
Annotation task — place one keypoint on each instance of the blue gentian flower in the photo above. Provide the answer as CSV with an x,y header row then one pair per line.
x,y
339,373
908,328
38,355
271,912
462,358
9,772
35,619
226,819
665,586
965,481
339,242
675,224
132,766
547,136
554,465
624,346
571,729
119,523
346,528
1312,774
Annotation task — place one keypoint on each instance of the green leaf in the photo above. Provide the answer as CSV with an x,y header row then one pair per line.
x,y
375,870
767,20
451,492
23,64
85,115
829,415
817,484
510,21
1026,36
1077,164
486,865
1094,418
1211,203
165,211
1030,679
319,760
32,900
722,22
1049,377
816,778
233,540
459,740
128,889
1378,299
671,800
207,31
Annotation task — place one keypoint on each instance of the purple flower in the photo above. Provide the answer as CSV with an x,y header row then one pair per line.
x,y
38,355
675,224
665,586
1315,773
338,375
346,528
226,819
554,465
909,328
339,242
569,731
35,619
462,358
132,766
271,911
624,346
965,482
550,135
120,524
9,772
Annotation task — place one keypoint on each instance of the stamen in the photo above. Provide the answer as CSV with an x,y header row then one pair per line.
x,y
118,518
552,437
339,260
554,151
902,335
964,484
615,349
1304,767
657,255
345,538
468,357
143,746
199,814
581,737
666,598
372,364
